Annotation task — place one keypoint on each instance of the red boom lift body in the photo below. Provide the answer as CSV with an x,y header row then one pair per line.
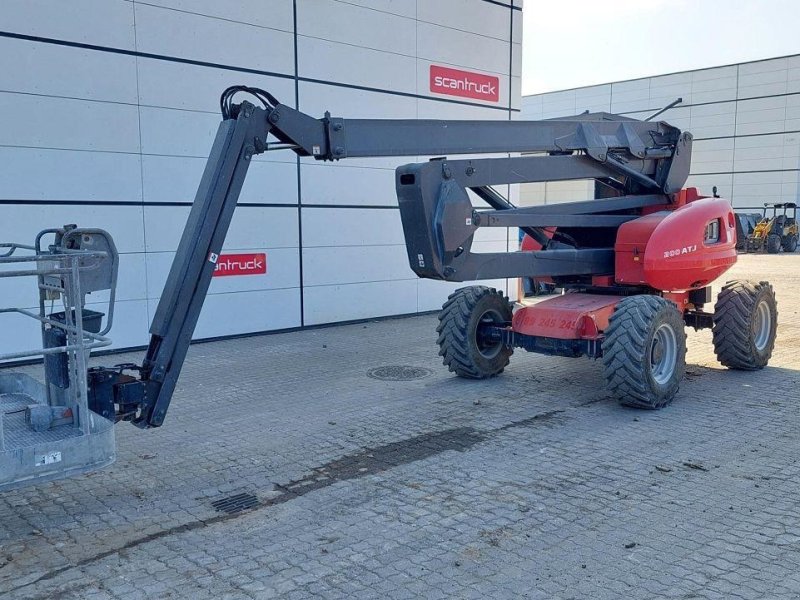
x,y
668,250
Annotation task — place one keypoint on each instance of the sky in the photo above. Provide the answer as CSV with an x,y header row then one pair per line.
x,y
573,43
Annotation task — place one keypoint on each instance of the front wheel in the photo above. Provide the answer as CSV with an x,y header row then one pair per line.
x,y
644,351
790,243
464,349
773,243
745,325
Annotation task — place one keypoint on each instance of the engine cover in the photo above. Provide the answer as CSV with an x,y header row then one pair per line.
x,y
683,249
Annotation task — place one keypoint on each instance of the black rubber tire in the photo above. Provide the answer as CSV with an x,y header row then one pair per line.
x,y
628,347
790,243
773,243
735,322
458,325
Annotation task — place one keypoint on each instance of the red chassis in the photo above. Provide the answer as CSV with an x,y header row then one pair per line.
x,y
634,318
673,251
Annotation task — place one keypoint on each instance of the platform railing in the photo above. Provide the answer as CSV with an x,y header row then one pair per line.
x,y
59,276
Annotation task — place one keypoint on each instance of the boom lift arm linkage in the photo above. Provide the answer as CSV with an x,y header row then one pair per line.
x,y
645,162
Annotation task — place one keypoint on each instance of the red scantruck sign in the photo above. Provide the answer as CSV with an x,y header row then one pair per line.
x,y
455,82
240,264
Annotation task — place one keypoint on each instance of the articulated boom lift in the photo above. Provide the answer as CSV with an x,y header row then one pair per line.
x,y
635,265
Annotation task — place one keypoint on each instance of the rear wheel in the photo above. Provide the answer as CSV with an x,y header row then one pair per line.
x,y
790,243
745,325
463,348
773,243
644,351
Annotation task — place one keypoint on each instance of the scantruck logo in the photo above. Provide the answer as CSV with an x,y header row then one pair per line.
x,y
240,264
454,82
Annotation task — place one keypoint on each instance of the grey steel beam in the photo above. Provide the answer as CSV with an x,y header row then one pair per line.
x,y
532,169
510,218
380,137
496,200
190,275
605,205
472,266
613,140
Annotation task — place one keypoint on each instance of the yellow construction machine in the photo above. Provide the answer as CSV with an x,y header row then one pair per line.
x,y
776,230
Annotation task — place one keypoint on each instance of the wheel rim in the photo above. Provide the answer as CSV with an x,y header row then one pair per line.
x,y
487,347
762,327
663,354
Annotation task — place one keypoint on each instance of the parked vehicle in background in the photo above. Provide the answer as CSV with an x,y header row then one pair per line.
x,y
776,230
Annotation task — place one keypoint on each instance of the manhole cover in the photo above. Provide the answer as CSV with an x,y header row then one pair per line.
x,y
236,503
398,373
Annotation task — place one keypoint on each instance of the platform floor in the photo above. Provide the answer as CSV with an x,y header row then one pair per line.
x,y
17,433
285,470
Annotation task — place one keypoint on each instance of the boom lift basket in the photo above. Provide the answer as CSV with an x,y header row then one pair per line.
x,y
47,430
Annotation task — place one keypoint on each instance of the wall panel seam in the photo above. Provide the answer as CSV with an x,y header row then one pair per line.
x,y
200,63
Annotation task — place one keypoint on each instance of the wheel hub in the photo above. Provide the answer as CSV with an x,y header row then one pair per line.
x,y
658,351
487,346
762,326
663,354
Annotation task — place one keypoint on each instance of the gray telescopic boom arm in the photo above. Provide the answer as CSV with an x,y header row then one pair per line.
x,y
645,162
610,140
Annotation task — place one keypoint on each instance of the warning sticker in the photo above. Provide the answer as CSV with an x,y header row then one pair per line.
x,y
48,458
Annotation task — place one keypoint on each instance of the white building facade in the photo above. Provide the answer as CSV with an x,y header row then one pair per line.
x,y
108,109
745,120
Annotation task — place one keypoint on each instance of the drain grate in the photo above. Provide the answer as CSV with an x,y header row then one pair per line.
x,y
398,373
235,503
